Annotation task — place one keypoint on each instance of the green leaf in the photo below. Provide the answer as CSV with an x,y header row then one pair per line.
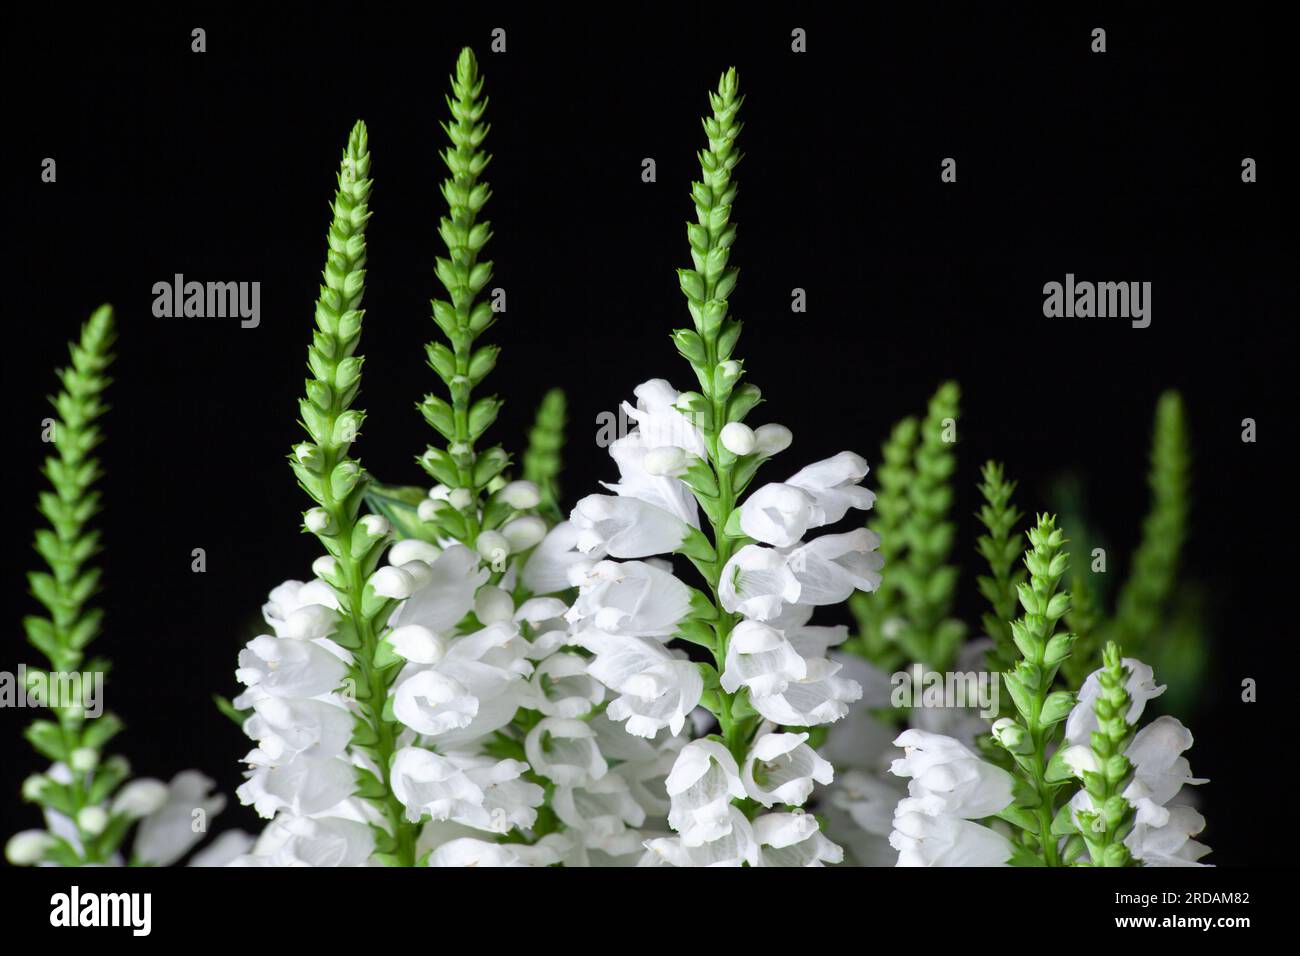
x,y
230,710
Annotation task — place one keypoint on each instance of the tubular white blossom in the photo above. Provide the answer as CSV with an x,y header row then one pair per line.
x,y
563,688
756,582
626,527
777,514
781,513
547,569
288,667
787,687
657,687
478,792
703,782
735,847
649,474
564,751
782,768
793,839
948,779
1141,687
448,595
630,597
659,421
924,840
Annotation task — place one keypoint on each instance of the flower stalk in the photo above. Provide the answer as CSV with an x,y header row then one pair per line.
x,y
880,615
337,484
1033,736
1104,828
461,317
70,624
722,400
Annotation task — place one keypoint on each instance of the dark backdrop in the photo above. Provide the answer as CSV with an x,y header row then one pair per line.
x,y
1122,166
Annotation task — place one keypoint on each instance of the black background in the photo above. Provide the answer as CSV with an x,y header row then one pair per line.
x,y
1120,166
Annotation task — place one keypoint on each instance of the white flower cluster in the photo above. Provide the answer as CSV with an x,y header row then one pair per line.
x,y
948,790
1162,829
302,774
630,604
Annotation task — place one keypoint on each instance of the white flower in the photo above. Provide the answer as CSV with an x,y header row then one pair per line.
x,y
474,689
92,820
738,438
168,833
868,800
1171,843
447,595
524,532
782,513
544,618
648,473
27,847
793,839
830,568
139,798
630,597
1159,770
476,791
656,687
432,702
735,847
658,420
626,527
304,785
781,768
756,582
393,582
760,658
283,727
925,840
1080,759
563,688
602,810
833,484
703,782
1141,687
417,644
564,751
467,851
777,514
521,495
785,686
292,596
288,667
412,549
315,841
759,581
771,439
223,849
1161,834
547,569
492,605
948,779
